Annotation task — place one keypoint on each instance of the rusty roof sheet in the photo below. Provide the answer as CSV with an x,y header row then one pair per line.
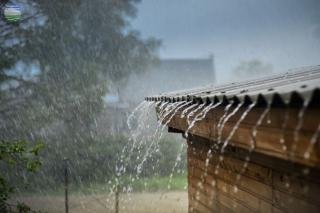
x,y
292,88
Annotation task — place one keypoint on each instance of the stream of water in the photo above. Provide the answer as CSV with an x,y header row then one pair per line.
x,y
142,134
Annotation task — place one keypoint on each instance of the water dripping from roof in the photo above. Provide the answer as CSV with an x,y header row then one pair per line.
x,y
252,145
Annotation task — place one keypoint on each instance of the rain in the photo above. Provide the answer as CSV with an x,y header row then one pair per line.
x,y
159,106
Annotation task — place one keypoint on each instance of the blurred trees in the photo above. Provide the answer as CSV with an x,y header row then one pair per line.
x,y
75,48
55,66
252,68
16,156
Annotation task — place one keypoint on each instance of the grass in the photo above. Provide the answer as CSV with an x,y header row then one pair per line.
x,y
157,202
160,184
152,184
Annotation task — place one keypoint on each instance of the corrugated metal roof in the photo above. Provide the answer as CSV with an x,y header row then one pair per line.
x,y
291,88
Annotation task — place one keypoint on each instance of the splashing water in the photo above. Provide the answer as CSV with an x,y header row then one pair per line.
x,y
178,159
144,108
176,110
184,112
192,112
224,121
142,126
139,138
252,146
312,142
226,110
180,106
189,116
234,129
205,173
255,128
200,116
131,116
283,130
157,136
298,127
236,126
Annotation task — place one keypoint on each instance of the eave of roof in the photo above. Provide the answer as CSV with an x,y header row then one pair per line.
x,y
292,88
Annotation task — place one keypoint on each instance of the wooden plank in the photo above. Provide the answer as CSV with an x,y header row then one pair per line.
x,y
251,179
201,203
282,200
274,119
254,171
292,204
268,136
232,201
197,206
256,188
200,148
297,187
268,184
245,198
276,164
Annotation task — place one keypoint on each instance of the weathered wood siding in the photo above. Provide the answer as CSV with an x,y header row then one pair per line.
x,y
267,184
277,177
267,141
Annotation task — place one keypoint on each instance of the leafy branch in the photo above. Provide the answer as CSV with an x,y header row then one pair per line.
x,y
14,154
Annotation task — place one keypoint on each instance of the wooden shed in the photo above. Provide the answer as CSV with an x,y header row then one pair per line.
x,y
254,146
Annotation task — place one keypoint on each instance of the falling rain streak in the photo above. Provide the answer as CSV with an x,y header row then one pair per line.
x,y
196,112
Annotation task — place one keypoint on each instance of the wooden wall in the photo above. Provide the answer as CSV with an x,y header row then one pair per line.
x,y
267,184
273,127
278,177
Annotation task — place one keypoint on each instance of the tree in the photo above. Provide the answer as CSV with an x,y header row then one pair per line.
x,y
79,48
71,50
16,154
252,68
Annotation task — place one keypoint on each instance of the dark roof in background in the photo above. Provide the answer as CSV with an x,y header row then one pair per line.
x,y
292,88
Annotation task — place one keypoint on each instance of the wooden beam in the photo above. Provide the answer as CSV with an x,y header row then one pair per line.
x,y
278,123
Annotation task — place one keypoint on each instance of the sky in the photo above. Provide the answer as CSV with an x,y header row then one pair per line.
x,y
284,33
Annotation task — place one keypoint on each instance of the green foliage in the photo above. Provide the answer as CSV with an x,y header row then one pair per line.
x,y
96,162
80,47
149,184
16,154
